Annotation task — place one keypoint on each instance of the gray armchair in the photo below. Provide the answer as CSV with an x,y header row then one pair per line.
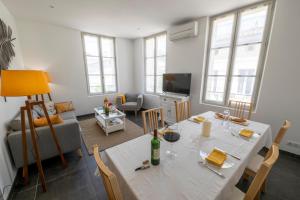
x,y
134,102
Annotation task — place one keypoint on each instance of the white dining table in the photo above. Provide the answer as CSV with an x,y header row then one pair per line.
x,y
183,176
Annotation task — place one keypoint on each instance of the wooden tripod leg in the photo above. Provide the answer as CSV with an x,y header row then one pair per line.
x,y
24,146
35,147
49,96
54,135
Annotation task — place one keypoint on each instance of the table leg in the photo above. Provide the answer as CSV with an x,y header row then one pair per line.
x,y
105,128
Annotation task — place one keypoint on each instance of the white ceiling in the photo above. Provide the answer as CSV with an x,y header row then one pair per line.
x,y
120,18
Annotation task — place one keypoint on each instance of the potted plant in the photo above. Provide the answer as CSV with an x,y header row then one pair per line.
x,y
106,106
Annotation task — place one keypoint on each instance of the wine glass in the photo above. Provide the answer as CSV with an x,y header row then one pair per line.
x,y
226,121
170,152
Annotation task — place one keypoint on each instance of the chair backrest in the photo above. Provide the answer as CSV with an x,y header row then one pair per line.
x,y
183,110
109,179
286,125
240,109
262,174
153,116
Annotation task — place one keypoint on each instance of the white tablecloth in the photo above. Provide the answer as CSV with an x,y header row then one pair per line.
x,y
183,177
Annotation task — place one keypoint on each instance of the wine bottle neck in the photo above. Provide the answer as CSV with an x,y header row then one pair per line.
x,y
155,133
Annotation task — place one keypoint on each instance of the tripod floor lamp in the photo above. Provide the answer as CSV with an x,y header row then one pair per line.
x,y
18,83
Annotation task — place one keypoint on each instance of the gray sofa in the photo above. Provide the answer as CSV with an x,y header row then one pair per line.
x,y
68,134
134,102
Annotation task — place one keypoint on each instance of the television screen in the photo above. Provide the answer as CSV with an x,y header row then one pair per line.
x,y
177,83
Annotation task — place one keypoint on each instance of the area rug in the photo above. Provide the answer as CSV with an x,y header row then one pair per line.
x,y
92,134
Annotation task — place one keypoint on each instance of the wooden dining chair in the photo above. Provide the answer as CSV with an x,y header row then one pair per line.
x,y
253,192
240,109
109,178
153,116
183,110
257,160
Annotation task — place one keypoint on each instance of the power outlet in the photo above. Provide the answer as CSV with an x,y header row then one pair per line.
x,y
293,144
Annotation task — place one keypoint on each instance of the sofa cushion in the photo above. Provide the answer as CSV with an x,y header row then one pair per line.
x,y
68,115
15,124
129,105
131,97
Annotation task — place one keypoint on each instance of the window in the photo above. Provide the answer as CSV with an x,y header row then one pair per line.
x,y
155,62
99,53
236,54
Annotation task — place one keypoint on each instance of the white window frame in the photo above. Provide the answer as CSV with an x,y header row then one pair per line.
x,y
100,63
262,56
154,36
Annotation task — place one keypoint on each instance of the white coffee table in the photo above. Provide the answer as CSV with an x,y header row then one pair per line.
x,y
110,123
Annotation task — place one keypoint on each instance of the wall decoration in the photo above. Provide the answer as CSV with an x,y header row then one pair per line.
x,y
6,45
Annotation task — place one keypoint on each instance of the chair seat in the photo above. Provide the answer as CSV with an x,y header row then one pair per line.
x,y
129,106
255,163
237,194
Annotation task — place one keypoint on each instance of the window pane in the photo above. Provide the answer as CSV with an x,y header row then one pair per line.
x,y
95,89
93,65
242,88
161,45
160,65
108,66
150,66
252,24
95,80
91,45
110,83
107,45
150,48
159,83
215,88
218,61
222,31
149,83
246,60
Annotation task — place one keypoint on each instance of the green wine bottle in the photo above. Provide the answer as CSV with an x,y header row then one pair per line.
x,y
155,149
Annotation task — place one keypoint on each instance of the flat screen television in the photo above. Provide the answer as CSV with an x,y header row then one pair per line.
x,y
177,83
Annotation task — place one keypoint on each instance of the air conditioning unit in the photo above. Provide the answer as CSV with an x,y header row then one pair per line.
x,y
183,31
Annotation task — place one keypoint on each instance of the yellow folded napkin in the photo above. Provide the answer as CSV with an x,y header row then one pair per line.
x,y
164,131
199,119
216,157
246,133
238,120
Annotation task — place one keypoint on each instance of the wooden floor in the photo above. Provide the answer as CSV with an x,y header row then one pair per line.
x,y
79,182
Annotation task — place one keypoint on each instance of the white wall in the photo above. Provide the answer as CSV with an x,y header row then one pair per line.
x,y
59,51
279,97
8,109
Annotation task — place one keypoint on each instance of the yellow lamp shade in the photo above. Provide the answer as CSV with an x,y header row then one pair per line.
x,y
15,83
49,79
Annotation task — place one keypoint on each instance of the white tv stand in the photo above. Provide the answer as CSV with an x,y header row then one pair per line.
x,y
167,102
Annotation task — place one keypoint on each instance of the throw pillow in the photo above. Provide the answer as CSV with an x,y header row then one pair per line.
x,y
49,107
55,119
64,107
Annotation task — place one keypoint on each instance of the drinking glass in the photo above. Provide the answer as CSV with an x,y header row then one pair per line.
x,y
170,152
226,121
